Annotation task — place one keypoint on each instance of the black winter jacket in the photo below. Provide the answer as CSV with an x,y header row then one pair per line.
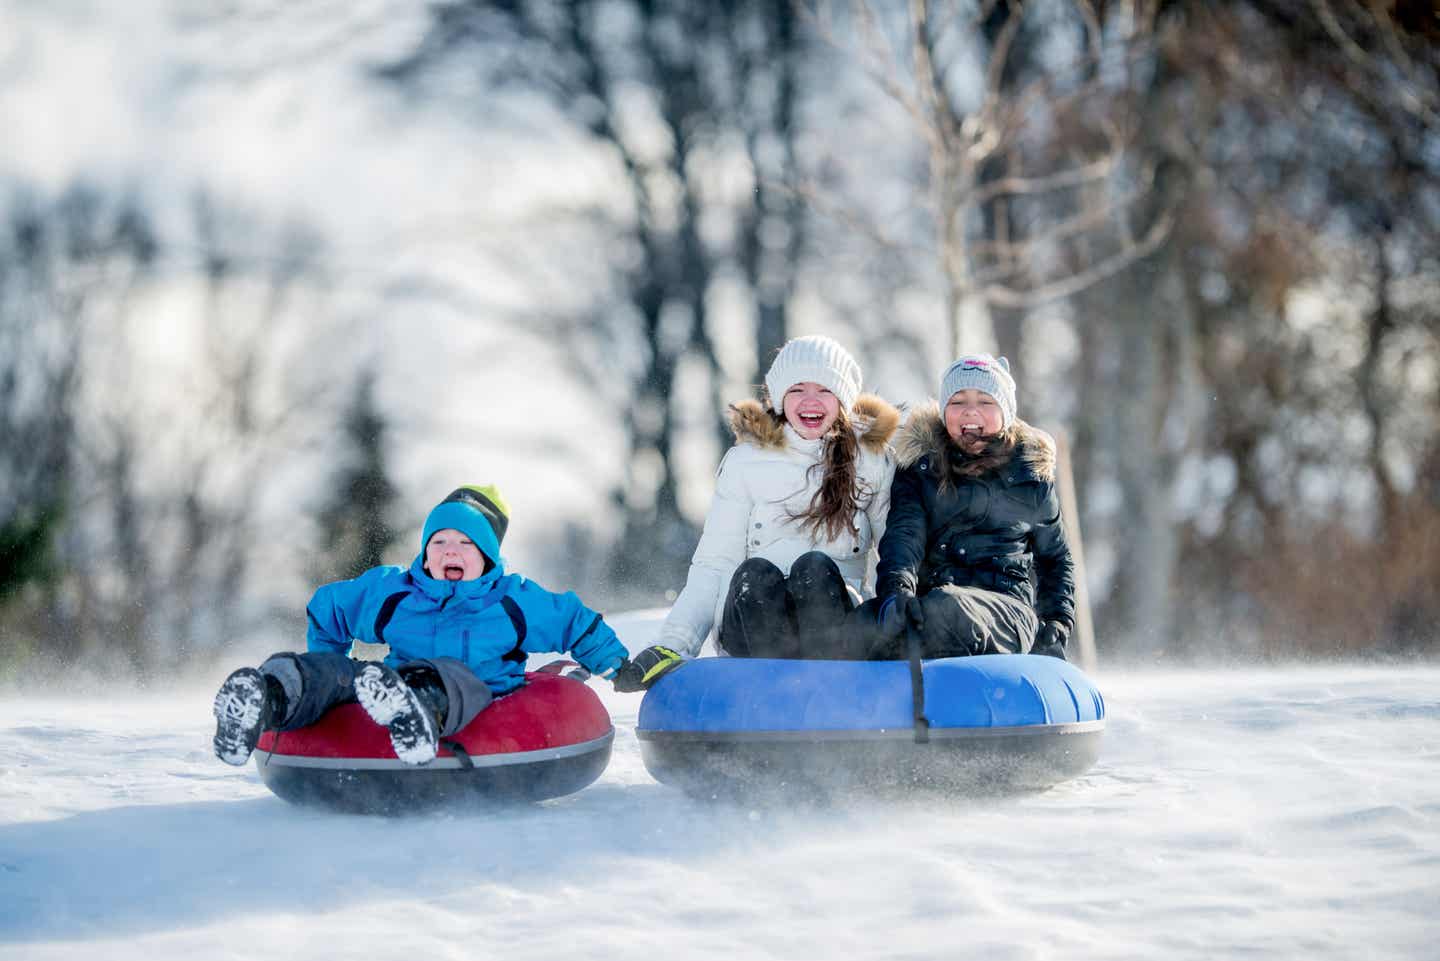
x,y
990,531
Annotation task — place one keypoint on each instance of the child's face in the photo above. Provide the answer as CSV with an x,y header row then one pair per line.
x,y
451,556
811,409
971,415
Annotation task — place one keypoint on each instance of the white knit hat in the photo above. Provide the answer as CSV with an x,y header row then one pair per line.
x,y
818,360
982,372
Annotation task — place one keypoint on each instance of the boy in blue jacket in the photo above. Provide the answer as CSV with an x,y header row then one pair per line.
x,y
459,629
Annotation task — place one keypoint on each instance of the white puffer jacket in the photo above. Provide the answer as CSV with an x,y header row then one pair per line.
x,y
763,481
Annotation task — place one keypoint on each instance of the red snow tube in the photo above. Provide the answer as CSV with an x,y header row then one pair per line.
x,y
548,738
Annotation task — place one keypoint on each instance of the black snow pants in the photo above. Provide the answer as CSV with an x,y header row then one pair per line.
x,y
316,681
803,616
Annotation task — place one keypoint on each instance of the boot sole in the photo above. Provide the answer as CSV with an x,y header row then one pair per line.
x,y
392,705
239,706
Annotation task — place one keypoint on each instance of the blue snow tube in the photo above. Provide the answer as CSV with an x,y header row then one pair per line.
x,y
1010,722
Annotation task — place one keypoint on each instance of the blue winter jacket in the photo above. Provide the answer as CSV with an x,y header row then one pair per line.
x,y
490,623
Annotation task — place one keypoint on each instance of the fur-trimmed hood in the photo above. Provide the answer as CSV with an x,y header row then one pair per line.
x,y
924,434
753,424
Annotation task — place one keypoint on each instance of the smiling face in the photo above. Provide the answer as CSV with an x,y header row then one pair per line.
x,y
811,409
971,415
452,556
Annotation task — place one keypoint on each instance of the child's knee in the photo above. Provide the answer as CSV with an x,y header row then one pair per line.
x,y
814,564
753,571
285,668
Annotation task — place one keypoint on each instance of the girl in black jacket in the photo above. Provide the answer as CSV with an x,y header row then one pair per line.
x,y
974,557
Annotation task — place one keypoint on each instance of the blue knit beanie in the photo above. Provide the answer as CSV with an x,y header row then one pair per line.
x,y
478,512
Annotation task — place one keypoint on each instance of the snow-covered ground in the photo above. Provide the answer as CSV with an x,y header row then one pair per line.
x,y
1271,813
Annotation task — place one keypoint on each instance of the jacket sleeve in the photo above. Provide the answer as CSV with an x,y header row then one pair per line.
x,y
720,551
1054,566
334,614
560,622
902,549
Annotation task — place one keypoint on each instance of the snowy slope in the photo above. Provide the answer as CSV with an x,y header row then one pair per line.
x,y
1275,813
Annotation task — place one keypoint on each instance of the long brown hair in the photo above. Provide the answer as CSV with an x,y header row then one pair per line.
x,y
832,509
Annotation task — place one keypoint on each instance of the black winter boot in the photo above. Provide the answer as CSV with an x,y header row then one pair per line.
x,y
247,703
395,707
425,681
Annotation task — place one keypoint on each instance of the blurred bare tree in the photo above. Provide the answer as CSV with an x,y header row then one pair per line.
x,y
1034,189
63,266
356,517
695,106
147,503
1259,414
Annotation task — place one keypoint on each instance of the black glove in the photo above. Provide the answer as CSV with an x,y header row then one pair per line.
x,y
647,667
903,610
1050,639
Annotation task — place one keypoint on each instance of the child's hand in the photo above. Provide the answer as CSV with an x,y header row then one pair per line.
x,y
647,667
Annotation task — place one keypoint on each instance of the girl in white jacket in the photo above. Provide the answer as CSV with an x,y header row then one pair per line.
x,y
800,504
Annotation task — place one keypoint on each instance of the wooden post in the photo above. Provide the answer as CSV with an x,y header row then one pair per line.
x,y
1081,648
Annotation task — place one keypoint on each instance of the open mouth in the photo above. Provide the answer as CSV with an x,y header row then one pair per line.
x,y
454,572
813,421
971,430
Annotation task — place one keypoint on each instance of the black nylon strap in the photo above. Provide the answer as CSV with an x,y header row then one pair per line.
x,y
462,755
387,611
917,686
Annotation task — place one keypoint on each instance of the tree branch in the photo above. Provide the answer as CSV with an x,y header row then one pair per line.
x,y
1092,172
999,295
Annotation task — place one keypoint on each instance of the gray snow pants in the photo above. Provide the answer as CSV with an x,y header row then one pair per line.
x,y
314,682
961,621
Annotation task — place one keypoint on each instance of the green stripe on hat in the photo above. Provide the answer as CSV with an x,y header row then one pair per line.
x,y
487,500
